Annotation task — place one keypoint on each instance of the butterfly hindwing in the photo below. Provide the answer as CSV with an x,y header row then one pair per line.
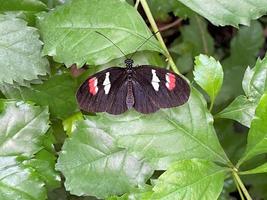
x,y
104,91
164,88
143,101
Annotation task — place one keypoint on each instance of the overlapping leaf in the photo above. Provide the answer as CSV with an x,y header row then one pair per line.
x,y
72,38
93,165
246,45
168,135
225,12
21,129
242,109
20,51
208,74
58,92
190,179
257,136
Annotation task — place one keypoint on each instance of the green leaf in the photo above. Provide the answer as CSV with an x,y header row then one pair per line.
x,y
208,74
225,12
246,45
93,165
58,92
257,137
260,169
20,122
168,135
242,109
71,38
22,5
21,129
190,179
20,51
19,182
195,39
44,165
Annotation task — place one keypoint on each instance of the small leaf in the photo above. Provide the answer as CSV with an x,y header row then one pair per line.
x,y
58,92
208,74
242,109
20,51
257,136
93,165
44,164
72,38
225,12
170,134
260,169
69,123
190,179
22,127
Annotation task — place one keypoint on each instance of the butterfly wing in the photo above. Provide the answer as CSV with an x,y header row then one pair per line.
x,y
163,88
104,91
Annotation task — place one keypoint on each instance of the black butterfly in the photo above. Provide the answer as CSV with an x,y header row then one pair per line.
x,y
144,88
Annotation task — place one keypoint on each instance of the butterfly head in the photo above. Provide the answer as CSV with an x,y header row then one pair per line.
x,y
129,63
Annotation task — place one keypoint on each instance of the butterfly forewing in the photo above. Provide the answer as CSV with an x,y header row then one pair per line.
x,y
162,87
104,91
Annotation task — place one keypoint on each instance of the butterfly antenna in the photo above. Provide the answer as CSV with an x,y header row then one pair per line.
x,y
111,42
143,43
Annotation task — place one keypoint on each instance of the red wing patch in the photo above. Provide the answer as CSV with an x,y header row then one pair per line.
x,y
92,83
170,78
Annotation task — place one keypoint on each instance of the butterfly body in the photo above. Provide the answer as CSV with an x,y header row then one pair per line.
x,y
144,88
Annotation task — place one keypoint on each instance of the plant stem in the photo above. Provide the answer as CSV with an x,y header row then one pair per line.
x,y
238,188
242,187
158,35
136,4
211,105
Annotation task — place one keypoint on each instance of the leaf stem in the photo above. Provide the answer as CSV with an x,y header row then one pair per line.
x,y
238,189
158,35
211,105
242,187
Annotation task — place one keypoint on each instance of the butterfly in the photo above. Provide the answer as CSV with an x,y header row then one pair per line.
x,y
145,88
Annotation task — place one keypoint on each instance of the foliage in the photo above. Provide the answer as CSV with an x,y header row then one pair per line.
x,y
49,47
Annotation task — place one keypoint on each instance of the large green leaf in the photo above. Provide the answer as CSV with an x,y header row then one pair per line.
x,y
20,51
242,109
93,165
168,135
257,137
72,38
21,129
22,5
58,92
190,179
244,50
208,74
225,12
